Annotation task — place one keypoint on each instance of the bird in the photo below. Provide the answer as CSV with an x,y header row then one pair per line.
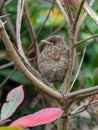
x,y
53,61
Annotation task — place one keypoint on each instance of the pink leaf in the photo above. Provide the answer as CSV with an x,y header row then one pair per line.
x,y
13,100
4,121
41,117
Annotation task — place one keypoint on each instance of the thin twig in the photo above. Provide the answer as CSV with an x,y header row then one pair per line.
x,y
8,2
30,27
79,42
77,73
9,25
18,26
2,4
63,11
91,32
81,108
81,20
83,93
90,11
7,78
77,15
55,3
40,30
6,65
6,15
35,100
68,12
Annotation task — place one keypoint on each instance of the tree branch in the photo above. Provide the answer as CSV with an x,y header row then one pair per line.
x,y
63,11
31,29
7,78
79,42
20,7
81,20
2,4
77,15
9,24
40,30
23,68
68,11
80,94
79,67
6,65
91,31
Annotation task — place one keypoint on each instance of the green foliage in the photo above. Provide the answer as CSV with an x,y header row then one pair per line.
x,y
89,82
95,61
96,79
16,77
77,85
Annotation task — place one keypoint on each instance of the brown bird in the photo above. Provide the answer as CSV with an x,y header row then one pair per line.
x,y
54,59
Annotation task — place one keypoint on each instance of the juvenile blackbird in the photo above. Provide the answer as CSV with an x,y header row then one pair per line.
x,y
54,59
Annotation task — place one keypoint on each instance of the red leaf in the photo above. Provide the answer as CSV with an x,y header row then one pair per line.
x,y
41,117
13,100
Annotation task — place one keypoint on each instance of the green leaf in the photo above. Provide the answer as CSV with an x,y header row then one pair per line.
x,y
96,79
89,82
95,62
16,77
76,85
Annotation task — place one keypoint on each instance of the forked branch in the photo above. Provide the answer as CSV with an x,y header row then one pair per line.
x,y
18,61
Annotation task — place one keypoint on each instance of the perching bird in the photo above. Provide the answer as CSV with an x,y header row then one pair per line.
x,y
53,61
